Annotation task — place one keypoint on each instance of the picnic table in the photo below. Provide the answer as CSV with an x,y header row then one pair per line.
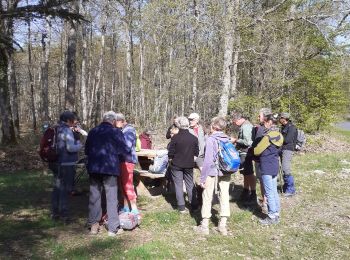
x,y
142,174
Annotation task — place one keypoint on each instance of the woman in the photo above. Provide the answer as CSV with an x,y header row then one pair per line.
x,y
268,151
212,177
182,151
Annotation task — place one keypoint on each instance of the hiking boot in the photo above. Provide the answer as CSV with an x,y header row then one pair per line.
x,y
222,230
201,229
95,228
244,196
252,200
288,194
116,233
269,221
183,211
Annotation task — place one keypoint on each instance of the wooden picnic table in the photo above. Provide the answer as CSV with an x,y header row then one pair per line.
x,y
142,175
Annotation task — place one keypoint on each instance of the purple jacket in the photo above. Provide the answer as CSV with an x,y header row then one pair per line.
x,y
211,150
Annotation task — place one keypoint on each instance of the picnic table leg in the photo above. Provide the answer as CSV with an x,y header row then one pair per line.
x,y
141,188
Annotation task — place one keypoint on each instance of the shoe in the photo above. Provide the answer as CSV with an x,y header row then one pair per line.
x,y
183,211
95,228
252,200
135,211
269,221
124,210
114,234
222,230
288,194
201,229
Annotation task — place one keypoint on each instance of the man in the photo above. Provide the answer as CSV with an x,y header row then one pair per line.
x,y
243,144
197,130
182,150
289,132
128,162
64,169
104,146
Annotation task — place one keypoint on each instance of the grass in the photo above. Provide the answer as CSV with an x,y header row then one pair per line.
x,y
315,223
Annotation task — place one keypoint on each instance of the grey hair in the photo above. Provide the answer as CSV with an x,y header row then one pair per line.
x,y
218,123
237,116
182,122
120,117
109,116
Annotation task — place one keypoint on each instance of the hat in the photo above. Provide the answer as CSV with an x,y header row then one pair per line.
x,y
285,115
266,111
193,116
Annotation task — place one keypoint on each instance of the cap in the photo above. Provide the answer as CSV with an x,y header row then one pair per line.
x,y
193,116
266,111
285,115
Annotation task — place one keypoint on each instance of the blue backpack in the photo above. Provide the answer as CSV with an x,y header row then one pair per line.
x,y
228,158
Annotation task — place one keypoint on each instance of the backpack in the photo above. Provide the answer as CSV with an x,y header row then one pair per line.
x,y
48,145
160,162
300,140
228,158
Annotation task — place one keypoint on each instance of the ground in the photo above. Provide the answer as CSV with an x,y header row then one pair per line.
x,y
315,224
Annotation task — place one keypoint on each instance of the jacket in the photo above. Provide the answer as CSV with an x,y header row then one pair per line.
x,y
183,148
244,140
67,146
130,138
103,147
210,168
146,141
268,151
289,132
201,139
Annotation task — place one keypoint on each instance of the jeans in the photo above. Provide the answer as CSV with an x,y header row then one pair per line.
x,y
179,175
273,200
95,208
62,185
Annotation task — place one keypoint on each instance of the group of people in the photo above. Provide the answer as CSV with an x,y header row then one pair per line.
x,y
261,149
111,148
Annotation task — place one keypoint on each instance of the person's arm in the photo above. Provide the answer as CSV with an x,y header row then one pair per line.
x,y
262,145
72,145
209,157
246,140
168,133
171,148
87,144
121,142
196,148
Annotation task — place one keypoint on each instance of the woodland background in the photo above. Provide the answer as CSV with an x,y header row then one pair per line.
x,y
153,59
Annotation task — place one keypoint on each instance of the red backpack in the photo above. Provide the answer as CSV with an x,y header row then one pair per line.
x,y
48,145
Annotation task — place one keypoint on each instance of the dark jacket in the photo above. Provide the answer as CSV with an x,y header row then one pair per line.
x,y
104,145
168,132
289,132
268,151
183,148
67,146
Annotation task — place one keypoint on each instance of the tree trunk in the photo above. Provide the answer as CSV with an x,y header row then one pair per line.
x,y
83,84
230,27
45,41
71,61
129,45
196,56
30,73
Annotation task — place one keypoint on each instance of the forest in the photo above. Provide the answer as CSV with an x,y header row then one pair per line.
x,y
153,59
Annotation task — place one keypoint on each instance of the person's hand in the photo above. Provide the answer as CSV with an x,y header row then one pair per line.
x,y
203,185
233,139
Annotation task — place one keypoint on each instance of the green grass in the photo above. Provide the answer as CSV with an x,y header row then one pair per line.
x,y
314,224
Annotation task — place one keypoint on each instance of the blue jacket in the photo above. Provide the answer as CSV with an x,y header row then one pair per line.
x,y
67,146
130,139
104,145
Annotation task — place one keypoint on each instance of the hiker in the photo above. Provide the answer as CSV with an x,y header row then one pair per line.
x,y
64,170
128,162
173,129
289,132
257,134
243,144
268,150
197,130
182,151
212,179
145,139
104,146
